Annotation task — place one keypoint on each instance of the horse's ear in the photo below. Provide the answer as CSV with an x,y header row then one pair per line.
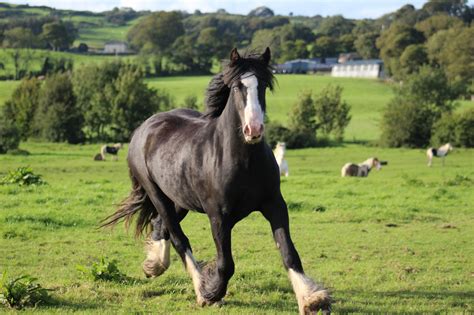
x,y
234,55
267,55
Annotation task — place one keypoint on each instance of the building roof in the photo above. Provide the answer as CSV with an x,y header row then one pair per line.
x,y
361,62
115,42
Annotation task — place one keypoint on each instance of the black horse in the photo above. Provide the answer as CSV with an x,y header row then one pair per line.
x,y
214,163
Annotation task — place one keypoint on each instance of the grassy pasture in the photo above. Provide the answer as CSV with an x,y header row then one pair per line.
x,y
37,56
397,241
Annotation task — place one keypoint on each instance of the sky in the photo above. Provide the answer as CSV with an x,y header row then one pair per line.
x,y
356,9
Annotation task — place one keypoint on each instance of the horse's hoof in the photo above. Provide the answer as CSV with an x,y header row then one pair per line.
x,y
152,269
203,302
317,301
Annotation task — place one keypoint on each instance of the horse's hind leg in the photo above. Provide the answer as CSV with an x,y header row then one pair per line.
x,y
311,297
157,247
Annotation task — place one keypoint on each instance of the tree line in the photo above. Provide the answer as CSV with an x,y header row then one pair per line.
x,y
95,103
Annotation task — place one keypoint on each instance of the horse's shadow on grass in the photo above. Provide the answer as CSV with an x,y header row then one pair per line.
x,y
55,302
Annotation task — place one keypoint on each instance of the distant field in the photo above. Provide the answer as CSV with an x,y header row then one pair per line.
x,y
97,36
37,56
399,241
367,98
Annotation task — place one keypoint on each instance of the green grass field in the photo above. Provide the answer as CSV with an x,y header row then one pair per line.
x,y
37,56
399,241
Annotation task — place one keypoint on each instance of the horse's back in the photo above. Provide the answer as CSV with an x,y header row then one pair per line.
x,y
349,169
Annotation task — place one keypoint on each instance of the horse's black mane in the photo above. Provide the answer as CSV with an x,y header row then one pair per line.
x,y
219,88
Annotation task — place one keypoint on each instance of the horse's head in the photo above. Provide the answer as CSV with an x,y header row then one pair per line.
x,y
376,163
281,146
248,79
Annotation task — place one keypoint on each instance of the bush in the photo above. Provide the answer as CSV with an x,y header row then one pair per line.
x,y
22,106
190,102
332,113
9,136
405,123
294,139
21,292
275,132
58,119
458,129
23,176
115,100
104,270
409,117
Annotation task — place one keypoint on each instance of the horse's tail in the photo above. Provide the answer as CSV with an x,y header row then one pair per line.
x,y
136,202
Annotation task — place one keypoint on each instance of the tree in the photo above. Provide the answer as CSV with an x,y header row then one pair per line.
x,y
192,58
323,47
412,58
20,37
302,124
436,23
336,26
90,83
156,32
457,8
58,119
331,112
422,99
457,129
345,43
21,59
393,42
22,106
365,45
457,58
132,102
115,100
9,135
59,35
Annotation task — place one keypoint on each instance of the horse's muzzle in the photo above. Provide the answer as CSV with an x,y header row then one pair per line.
x,y
253,133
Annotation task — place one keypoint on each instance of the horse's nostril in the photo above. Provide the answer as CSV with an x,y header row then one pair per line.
x,y
247,130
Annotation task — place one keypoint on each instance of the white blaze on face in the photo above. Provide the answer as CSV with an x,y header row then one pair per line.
x,y
253,111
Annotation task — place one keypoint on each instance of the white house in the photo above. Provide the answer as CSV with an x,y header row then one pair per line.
x,y
116,47
372,68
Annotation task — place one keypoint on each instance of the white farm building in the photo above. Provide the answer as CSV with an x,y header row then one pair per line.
x,y
116,47
372,68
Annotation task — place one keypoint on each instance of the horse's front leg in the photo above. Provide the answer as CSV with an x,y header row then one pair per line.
x,y
311,296
215,276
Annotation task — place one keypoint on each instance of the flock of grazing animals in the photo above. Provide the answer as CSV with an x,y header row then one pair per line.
x,y
349,169
361,169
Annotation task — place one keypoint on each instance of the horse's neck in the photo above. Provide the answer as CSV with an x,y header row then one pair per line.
x,y
367,163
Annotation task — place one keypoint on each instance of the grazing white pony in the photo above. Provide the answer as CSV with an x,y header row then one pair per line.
x,y
279,153
440,152
361,169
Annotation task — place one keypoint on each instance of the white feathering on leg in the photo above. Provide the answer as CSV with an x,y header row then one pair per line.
x,y
308,293
194,270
